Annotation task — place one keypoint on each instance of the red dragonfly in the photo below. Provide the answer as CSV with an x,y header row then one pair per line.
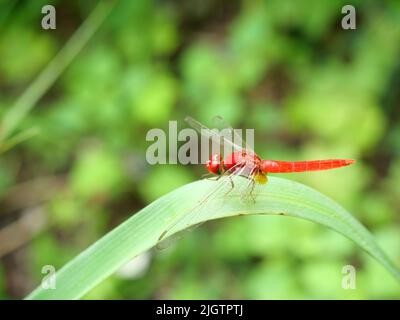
x,y
243,161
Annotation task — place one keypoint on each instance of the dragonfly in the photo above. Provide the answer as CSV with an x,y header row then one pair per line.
x,y
244,162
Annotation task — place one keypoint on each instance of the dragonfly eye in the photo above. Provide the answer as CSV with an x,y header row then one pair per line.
x,y
215,164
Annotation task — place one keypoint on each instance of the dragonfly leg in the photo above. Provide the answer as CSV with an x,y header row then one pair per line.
x,y
253,184
209,176
232,185
193,212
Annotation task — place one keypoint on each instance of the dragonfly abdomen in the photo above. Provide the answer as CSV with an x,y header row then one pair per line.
x,y
275,166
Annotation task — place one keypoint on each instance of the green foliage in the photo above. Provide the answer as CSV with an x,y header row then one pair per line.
x,y
142,231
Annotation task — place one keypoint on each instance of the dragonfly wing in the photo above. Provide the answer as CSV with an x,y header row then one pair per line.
x,y
237,138
194,213
167,241
213,134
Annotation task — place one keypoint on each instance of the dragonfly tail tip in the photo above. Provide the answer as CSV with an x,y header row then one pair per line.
x,y
349,161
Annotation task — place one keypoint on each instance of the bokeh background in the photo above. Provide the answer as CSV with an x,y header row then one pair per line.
x,y
286,68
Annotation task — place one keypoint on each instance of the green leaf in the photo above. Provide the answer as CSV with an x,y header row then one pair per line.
x,y
18,138
142,231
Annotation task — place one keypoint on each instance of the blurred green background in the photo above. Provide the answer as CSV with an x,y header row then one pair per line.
x,y
286,68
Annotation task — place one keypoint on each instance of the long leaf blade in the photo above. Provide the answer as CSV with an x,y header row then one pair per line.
x,y
141,231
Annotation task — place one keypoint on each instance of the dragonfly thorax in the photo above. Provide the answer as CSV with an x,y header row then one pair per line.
x,y
217,165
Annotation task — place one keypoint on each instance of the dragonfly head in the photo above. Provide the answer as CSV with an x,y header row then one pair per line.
x,y
215,165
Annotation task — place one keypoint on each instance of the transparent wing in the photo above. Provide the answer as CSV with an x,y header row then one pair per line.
x,y
194,213
215,136
167,241
240,169
223,180
237,138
